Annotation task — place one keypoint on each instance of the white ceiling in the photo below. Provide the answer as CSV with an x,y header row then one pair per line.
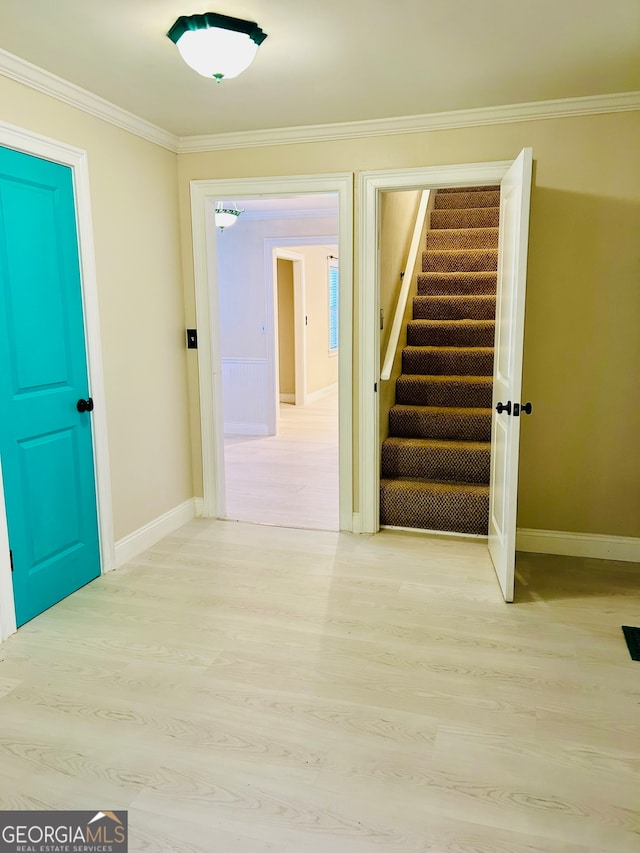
x,y
333,60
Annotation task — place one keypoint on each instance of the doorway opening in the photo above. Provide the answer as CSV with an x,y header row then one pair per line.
x,y
279,372
270,454
437,359
514,178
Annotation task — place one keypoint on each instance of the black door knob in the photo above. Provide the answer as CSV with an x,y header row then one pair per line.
x,y
85,405
504,407
521,409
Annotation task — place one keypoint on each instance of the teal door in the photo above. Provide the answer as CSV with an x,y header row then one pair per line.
x,y
45,441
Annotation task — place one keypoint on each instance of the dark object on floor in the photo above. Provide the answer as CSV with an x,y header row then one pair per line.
x,y
632,636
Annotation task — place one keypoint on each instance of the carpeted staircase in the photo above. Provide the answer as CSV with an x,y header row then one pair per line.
x,y
435,462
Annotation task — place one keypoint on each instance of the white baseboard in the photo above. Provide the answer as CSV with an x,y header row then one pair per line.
x,y
135,543
322,392
246,429
287,398
199,506
355,524
599,547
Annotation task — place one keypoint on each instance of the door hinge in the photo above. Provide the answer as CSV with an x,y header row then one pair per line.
x,y
375,387
306,321
11,558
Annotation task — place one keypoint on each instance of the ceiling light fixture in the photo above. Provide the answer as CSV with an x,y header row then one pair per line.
x,y
216,45
225,217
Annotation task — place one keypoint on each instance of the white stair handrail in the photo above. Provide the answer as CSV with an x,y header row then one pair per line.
x,y
407,276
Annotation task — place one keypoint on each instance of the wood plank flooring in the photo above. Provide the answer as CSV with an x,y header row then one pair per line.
x,y
288,479
244,688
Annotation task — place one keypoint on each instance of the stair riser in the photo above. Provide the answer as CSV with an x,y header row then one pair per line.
x,y
443,363
411,392
484,217
423,334
454,308
450,284
467,466
455,426
460,260
482,238
466,514
449,201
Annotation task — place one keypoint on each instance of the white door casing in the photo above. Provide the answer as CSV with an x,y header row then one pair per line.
x,y
515,197
203,196
58,152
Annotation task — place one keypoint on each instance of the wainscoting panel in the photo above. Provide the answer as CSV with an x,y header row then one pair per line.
x,y
245,390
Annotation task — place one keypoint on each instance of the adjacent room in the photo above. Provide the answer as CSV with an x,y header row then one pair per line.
x,y
278,297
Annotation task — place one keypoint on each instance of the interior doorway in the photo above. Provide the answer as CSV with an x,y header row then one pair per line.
x,y
511,185
280,386
246,354
287,373
57,152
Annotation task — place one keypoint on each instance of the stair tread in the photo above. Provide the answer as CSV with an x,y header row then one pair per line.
x,y
420,484
456,378
462,274
448,349
472,229
468,321
477,250
461,209
475,189
464,411
459,297
439,443
464,198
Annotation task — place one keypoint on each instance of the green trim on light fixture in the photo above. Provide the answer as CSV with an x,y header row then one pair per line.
x,y
214,20
216,46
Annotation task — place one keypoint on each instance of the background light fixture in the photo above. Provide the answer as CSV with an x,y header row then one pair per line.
x,y
225,217
216,45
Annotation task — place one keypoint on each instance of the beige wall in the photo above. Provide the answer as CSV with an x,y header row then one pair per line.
x,y
398,211
322,368
135,217
579,460
286,328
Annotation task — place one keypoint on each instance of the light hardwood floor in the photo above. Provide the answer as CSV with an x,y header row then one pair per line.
x,y
288,479
243,689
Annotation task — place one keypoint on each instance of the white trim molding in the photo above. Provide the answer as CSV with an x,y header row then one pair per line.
x,y
58,152
18,69
531,111
203,196
129,547
595,546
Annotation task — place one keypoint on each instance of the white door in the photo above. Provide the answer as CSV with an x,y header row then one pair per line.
x,y
507,372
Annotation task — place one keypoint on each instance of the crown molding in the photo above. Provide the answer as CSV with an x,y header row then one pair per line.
x,y
535,110
18,69
24,72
